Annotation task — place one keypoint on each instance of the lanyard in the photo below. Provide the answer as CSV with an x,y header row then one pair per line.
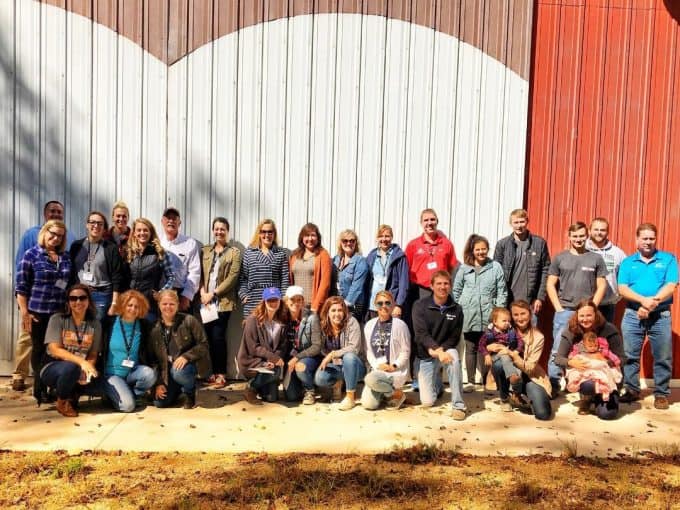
x,y
128,346
90,257
80,332
386,263
165,331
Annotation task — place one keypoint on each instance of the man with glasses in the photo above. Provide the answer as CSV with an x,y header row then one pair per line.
x,y
52,210
184,252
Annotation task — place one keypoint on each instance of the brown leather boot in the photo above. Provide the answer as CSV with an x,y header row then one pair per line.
x,y
65,408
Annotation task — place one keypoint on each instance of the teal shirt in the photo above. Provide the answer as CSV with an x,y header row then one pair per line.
x,y
647,278
118,350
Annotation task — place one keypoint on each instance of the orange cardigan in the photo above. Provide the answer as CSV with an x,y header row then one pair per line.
x,y
323,268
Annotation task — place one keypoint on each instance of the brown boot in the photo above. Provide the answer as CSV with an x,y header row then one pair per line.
x,y
251,396
65,408
584,405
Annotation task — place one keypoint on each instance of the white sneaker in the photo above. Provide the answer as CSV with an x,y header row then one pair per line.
x,y
468,388
309,398
347,404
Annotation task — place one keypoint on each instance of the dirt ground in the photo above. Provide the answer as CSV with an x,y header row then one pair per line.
x,y
421,476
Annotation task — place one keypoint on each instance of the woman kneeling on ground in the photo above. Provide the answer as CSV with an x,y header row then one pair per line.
x,y
535,382
388,350
73,343
180,347
305,354
342,350
587,318
264,346
126,375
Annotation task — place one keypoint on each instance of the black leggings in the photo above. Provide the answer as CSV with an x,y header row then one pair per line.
x,y
473,359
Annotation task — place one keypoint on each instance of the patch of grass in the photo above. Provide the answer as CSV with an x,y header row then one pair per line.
x,y
530,492
669,451
569,449
70,468
423,453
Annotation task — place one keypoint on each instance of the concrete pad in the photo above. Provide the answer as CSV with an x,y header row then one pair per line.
x,y
224,422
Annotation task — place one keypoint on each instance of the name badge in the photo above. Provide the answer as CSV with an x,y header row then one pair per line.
x,y
61,284
128,363
432,265
87,276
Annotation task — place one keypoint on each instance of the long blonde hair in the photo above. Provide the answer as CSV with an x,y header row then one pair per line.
x,y
255,241
133,247
42,235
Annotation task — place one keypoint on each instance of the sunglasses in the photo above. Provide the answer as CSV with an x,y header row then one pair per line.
x,y
266,232
54,234
383,303
80,297
349,241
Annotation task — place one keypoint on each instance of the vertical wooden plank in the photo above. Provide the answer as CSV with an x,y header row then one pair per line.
x,y
395,97
370,131
53,105
105,108
248,164
298,118
224,116
8,137
130,109
322,116
347,70
79,95
419,108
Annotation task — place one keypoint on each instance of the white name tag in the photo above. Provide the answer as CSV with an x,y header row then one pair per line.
x,y
87,276
128,363
432,265
61,284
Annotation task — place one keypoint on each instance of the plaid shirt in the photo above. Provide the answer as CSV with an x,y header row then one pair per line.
x,y
37,277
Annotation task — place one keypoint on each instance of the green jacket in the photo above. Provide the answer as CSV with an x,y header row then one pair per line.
x,y
187,338
478,292
227,275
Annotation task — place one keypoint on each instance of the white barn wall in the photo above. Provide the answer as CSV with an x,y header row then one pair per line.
x,y
346,120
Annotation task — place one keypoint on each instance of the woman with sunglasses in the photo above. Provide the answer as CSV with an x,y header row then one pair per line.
x,y
387,270
221,264
73,341
119,232
264,347
148,265
305,353
341,348
97,264
42,277
264,265
352,270
388,350
127,376
311,267
180,353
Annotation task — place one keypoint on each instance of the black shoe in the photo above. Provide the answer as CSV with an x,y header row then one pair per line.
x,y
629,396
187,401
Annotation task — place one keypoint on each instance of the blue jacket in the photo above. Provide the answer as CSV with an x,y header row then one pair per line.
x,y
478,293
352,279
397,274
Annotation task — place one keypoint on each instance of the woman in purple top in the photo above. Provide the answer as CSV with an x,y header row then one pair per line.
x,y
41,282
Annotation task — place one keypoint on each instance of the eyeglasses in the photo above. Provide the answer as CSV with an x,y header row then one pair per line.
x,y
383,303
96,223
349,241
266,232
79,297
54,234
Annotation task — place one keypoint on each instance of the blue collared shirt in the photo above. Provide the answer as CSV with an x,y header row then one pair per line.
x,y
647,278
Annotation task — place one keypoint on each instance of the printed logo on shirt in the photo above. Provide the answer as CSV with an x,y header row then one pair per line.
x,y
450,316
585,268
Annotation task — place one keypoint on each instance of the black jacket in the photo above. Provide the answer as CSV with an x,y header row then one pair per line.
x,y
608,331
538,262
434,329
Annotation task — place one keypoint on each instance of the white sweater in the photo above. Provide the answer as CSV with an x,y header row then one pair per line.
x,y
400,350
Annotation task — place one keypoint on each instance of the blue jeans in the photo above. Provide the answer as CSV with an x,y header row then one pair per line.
x,y
608,410
502,368
560,321
430,380
122,392
378,385
179,381
657,328
102,302
63,377
539,398
266,385
352,370
302,380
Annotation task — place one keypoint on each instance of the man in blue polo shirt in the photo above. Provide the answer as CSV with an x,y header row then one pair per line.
x,y
647,280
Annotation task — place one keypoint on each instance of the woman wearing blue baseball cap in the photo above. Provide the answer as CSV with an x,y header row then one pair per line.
x,y
264,345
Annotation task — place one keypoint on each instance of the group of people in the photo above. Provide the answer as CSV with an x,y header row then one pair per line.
x,y
127,312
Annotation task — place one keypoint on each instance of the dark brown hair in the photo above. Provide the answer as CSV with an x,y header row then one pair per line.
x,y
573,324
307,228
91,312
326,326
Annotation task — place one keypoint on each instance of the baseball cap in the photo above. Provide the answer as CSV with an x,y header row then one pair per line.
x,y
171,211
271,293
294,290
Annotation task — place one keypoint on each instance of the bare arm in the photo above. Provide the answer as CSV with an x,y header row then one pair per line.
x,y
551,289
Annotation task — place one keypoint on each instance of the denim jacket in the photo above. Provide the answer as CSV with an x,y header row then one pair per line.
x,y
352,279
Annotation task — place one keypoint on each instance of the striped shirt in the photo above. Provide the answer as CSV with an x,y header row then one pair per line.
x,y
259,271
37,279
